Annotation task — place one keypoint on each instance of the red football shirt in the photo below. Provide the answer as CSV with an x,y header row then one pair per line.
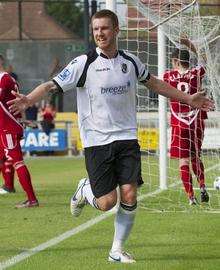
x,y
8,122
189,82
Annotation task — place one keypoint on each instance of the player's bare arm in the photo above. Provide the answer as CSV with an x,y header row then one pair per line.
x,y
22,102
198,100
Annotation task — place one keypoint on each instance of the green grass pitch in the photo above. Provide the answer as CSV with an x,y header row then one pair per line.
x,y
168,234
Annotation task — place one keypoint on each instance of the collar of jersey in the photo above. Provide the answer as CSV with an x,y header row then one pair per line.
x,y
182,73
103,55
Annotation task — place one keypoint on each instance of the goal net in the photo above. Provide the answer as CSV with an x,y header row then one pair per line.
x,y
139,23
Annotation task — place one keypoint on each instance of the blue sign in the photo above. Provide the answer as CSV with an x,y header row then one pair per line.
x,y
37,140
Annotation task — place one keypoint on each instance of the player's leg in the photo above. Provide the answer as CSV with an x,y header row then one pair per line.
x,y
100,189
197,164
25,181
7,170
13,151
180,149
123,224
8,176
84,195
128,171
198,169
105,164
3,190
186,177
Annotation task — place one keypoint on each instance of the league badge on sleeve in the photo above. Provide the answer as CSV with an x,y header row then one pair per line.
x,y
64,74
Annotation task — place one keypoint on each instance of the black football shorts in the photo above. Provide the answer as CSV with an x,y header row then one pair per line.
x,y
113,164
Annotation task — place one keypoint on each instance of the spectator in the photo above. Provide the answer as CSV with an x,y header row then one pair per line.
x,y
48,114
31,113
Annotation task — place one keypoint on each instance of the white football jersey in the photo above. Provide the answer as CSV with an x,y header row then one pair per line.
x,y
106,95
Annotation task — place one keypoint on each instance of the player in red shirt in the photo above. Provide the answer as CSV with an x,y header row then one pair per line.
x,y
187,123
11,132
48,114
6,167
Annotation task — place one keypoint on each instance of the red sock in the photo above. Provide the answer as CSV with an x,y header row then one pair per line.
x,y
198,169
8,174
186,178
25,181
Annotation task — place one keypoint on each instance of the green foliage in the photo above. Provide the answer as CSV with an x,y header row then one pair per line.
x,y
67,13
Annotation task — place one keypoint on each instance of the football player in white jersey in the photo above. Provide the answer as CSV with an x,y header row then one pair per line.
x,y
106,85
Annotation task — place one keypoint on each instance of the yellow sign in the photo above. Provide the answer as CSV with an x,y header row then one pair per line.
x,y
148,138
70,117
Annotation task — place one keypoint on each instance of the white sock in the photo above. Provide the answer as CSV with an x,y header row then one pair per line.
x,y
124,221
87,192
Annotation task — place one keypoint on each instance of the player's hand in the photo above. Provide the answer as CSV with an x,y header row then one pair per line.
x,y
200,101
19,104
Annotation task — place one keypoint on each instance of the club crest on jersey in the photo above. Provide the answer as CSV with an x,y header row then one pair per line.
x,y
74,61
64,74
124,68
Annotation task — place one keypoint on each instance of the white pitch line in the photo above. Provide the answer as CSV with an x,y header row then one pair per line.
x,y
207,188
213,167
56,240
155,211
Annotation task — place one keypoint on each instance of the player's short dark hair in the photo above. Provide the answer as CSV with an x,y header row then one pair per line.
x,y
106,13
182,55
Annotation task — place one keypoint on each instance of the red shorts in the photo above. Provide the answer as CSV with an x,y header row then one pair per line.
x,y
10,147
187,142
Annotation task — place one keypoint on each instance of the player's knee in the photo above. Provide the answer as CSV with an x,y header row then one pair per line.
x,y
107,206
129,195
107,203
184,162
130,199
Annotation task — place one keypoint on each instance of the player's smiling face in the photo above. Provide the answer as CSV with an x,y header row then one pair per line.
x,y
105,34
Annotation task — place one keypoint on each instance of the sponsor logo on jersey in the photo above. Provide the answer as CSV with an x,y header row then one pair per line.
x,y
64,74
116,90
102,69
124,68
